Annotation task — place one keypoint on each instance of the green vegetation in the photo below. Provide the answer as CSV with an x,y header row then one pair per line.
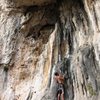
x,y
91,90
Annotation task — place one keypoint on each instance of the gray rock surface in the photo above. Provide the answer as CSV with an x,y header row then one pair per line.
x,y
39,37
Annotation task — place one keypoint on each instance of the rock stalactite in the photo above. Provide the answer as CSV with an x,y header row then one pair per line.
x,y
39,37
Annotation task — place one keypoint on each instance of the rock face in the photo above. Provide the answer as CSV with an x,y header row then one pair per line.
x,y
39,37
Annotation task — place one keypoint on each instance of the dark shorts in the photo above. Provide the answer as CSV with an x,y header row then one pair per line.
x,y
60,89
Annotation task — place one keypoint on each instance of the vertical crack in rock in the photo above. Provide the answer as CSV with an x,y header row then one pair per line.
x,y
29,95
5,76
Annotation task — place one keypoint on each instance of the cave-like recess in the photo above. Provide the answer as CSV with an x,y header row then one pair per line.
x,y
39,37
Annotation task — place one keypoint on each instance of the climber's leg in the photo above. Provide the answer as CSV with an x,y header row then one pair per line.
x,y
58,96
62,96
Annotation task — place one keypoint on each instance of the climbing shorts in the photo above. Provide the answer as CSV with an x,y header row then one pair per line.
x,y
60,89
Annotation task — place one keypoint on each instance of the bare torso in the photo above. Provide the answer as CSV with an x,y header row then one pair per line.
x,y
60,79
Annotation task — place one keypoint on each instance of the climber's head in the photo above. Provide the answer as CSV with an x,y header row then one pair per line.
x,y
56,74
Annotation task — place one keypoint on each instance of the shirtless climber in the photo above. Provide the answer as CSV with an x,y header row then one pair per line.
x,y
60,80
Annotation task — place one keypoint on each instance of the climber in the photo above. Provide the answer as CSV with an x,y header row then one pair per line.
x,y
60,80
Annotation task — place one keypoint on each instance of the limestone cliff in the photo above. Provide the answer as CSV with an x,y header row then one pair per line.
x,y
39,37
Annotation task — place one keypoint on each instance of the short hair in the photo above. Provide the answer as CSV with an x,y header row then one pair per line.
x,y
56,74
